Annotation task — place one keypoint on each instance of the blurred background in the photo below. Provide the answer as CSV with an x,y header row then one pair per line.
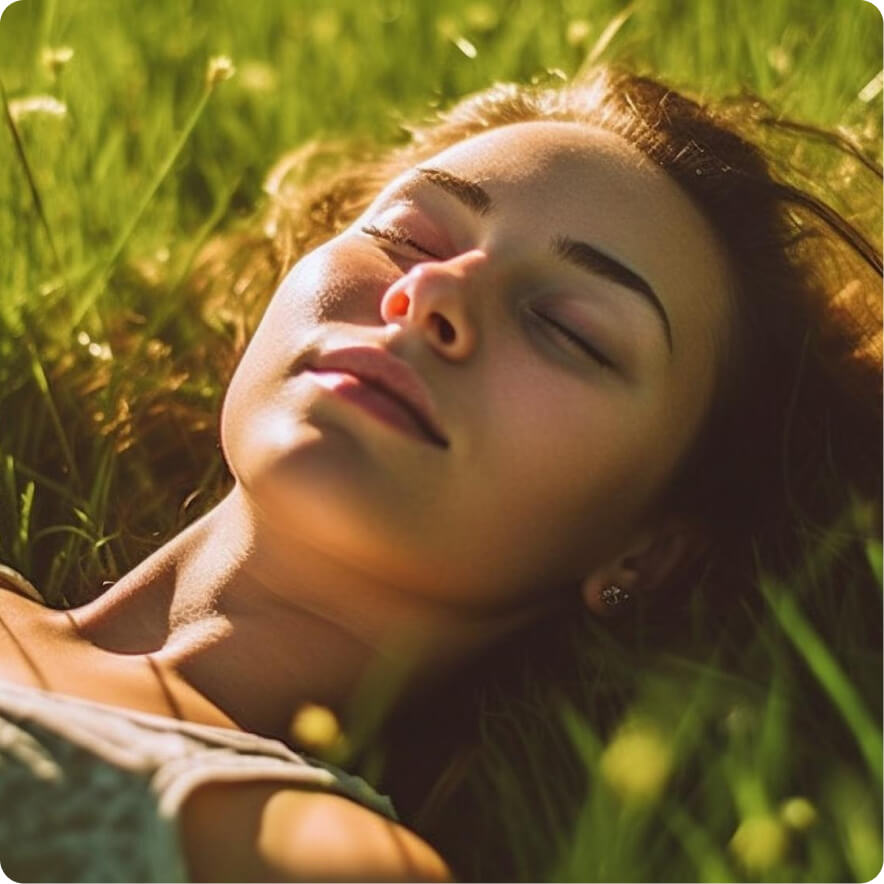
x,y
125,78
135,132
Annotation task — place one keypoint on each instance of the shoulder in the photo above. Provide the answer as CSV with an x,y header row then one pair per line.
x,y
265,831
329,837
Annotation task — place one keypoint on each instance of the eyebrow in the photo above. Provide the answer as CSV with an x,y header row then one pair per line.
x,y
575,252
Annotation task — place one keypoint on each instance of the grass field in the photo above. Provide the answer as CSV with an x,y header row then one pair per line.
x,y
119,160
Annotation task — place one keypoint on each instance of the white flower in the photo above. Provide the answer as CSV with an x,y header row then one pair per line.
x,y
55,58
36,104
219,69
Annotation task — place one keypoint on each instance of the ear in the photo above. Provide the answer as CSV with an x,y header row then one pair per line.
x,y
643,566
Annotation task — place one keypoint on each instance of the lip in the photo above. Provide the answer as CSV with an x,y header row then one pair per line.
x,y
393,376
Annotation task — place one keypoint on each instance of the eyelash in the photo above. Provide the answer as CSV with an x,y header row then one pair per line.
x,y
397,237
573,338
391,234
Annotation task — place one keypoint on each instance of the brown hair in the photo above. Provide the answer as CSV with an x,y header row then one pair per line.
x,y
797,410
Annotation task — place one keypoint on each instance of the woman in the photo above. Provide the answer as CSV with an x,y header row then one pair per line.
x,y
538,364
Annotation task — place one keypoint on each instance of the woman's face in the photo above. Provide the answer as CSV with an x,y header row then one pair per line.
x,y
562,302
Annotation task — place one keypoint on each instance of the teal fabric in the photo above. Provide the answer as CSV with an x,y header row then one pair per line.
x,y
92,792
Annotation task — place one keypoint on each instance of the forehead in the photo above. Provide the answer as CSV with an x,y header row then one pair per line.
x,y
552,177
573,172
520,152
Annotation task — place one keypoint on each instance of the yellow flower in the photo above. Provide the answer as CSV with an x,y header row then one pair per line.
x,y
636,763
316,729
315,726
760,843
798,813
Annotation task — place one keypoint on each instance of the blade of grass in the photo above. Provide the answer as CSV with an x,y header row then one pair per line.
x,y
29,175
64,529
43,385
607,35
171,304
825,667
24,524
46,21
874,556
56,488
701,850
93,290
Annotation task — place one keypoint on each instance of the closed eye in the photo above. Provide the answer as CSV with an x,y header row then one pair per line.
x,y
572,338
398,237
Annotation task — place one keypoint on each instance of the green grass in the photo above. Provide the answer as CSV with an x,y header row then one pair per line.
x,y
102,210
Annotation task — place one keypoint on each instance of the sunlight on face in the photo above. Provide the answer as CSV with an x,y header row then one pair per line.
x,y
562,302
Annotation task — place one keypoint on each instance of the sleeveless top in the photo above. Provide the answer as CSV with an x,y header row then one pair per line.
x,y
92,792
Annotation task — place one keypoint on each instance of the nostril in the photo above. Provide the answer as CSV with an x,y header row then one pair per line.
x,y
446,329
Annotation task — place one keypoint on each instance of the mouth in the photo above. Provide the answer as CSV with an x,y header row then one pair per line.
x,y
384,385
378,402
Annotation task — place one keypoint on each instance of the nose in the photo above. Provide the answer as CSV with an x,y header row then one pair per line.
x,y
433,297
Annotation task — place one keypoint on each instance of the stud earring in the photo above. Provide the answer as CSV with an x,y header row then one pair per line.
x,y
614,596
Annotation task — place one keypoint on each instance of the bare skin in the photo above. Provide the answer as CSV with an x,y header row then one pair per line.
x,y
347,548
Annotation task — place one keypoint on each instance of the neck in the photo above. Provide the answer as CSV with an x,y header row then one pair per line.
x,y
221,606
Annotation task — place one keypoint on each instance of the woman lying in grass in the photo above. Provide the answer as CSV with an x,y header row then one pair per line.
x,y
566,358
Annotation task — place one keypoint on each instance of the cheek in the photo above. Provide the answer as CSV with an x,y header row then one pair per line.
x,y
554,444
573,461
546,423
330,285
335,286
336,283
